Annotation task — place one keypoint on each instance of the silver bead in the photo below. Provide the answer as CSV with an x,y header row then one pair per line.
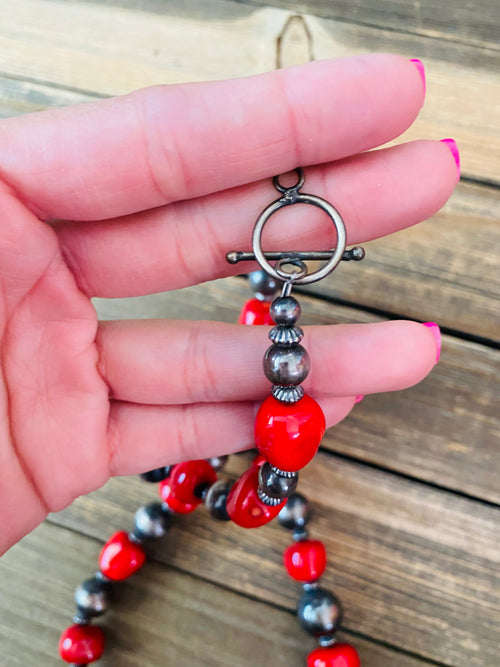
x,y
268,500
319,612
288,394
216,498
274,485
92,597
286,336
263,285
285,310
288,366
218,462
151,521
295,514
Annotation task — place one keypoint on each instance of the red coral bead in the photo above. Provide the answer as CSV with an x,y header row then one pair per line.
x,y
81,644
255,312
338,655
176,505
120,557
289,434
305,560
188,476
243,504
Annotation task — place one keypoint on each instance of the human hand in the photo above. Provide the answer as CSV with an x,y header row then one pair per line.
x,y
156,187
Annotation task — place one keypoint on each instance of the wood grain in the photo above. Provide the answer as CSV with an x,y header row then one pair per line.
x,y
461,21
148,46
195,614
445,431
415,567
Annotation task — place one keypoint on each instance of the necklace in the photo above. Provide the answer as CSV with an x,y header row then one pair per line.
x,y
288,429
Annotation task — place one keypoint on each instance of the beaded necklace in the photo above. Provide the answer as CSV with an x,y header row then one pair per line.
x,y
288,429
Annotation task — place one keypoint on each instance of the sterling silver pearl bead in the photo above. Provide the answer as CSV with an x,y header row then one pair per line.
x,y
319,612
92,597
151,521
286,365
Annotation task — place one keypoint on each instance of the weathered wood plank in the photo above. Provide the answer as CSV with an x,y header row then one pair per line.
x,y
416,567
443,270
445,431
461,21
159,616
38,40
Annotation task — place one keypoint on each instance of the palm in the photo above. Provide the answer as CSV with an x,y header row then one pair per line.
x,y
54,400
156,194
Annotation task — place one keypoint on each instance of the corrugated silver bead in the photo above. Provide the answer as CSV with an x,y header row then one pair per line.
x,y
319,611
290,394
92,597
286,366
151,521
263,285
285,310
286,336
295,514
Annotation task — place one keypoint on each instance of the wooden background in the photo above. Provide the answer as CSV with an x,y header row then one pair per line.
x,y
406,490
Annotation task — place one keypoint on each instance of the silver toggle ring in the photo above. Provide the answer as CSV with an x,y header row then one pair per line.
x,y
293,196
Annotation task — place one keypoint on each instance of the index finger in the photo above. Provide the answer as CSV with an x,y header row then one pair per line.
x,y
166,143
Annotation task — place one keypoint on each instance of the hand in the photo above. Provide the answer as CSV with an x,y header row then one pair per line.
x,y
156,187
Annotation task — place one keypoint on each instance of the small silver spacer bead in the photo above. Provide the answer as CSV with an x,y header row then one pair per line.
x,y
267,499
310,585
287,394
284,473
326,640
300,535
286,336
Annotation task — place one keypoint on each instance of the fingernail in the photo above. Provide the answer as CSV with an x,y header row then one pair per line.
x,y
436,332
421,70
359,398
452,145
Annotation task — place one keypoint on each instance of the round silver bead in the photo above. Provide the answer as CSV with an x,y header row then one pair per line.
x,y
151,521
285,310
295,514
218,462
288,394
92,597
263,285
319,612
216,498
288,366
276,485
286,336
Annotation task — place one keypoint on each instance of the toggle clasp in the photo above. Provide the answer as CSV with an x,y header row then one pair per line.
x,y
290,196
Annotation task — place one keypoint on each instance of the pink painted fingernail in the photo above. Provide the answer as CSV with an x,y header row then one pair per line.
x,y
452,145
359,398
436,332
421,70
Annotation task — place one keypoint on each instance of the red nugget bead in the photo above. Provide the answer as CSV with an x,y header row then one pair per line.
x,y
338,655
243,504
176,505
179,489
120,557
185,478
255,312
81,644
289,434
305,560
